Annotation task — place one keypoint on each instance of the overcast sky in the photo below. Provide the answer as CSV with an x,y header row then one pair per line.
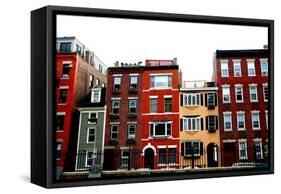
x,y
131,41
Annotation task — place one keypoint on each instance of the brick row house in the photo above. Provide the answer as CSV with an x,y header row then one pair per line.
x,y
199,126
242,79
142,128
76,74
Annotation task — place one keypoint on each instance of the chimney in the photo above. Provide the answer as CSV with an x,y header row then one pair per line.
x,y
116,64
175,61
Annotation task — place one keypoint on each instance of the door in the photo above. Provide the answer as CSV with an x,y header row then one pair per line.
x,y
229,154
212,155
108,159
149,158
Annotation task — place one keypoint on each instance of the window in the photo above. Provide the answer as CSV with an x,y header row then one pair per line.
x,y
96,95
92,118
168,104
241,121
58,156
172,155
264,67
258,149
60,122
161,156
115,106
132,106
160,129
256,120
243,150
226,94
160,81
63,96
237,68
211,122
100,68
91,81
266,118
251,68
65,47
114,132
66,70
211,101
227,121
239,93
191,99
133,82
125,159
265,92
91,135
153,105
132,131
192,147
116,83
90,156
224,68
253,93
192,124
78,49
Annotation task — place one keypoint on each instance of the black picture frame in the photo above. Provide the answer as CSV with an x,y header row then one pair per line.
x,y
43,72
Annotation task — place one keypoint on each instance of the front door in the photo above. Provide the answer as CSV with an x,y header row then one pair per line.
x,y
229,154
149,158
212,155
108,159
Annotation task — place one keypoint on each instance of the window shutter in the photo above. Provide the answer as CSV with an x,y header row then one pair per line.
x,y
201,95
181,124
181,100
201,148
216,117
206,98
207,122
202,123
182,149
216,101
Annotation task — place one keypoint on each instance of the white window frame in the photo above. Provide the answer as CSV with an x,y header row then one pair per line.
x,y
243,114
88,134
194,100
161,122
94,155
168,97
256,92
130,106
266,118
134,76
114,82
153,98
123,157
214,99
252,115
96,99
224,63
135,130
258,140
236,88
215,122
236,63
112,107
224,115
111,132
226,87
89,116
66,76
242,141
263,86
59,145
166,85
194,122
251,62
262,72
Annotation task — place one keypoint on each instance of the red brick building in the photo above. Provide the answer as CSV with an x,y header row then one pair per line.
x,y
123,117
76,74
242,78
160,114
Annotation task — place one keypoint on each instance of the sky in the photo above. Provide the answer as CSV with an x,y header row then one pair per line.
x,y
130,41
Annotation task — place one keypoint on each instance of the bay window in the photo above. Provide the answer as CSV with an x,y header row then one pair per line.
x,y
160,128
161,81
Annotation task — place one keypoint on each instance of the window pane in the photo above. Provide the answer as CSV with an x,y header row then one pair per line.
x,y
172,156
160,129
162,156
168,104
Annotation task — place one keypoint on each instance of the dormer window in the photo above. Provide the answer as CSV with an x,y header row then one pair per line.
x,y
96,94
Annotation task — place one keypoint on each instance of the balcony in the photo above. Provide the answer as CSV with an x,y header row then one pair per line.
x,y
114,115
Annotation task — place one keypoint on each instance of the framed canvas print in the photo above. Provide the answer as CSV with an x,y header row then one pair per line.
x,y
126,96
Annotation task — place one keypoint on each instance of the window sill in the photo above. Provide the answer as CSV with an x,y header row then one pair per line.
x,y
64,78
59,131
256,129
167,88
62,103
241,129
254,101
227,130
